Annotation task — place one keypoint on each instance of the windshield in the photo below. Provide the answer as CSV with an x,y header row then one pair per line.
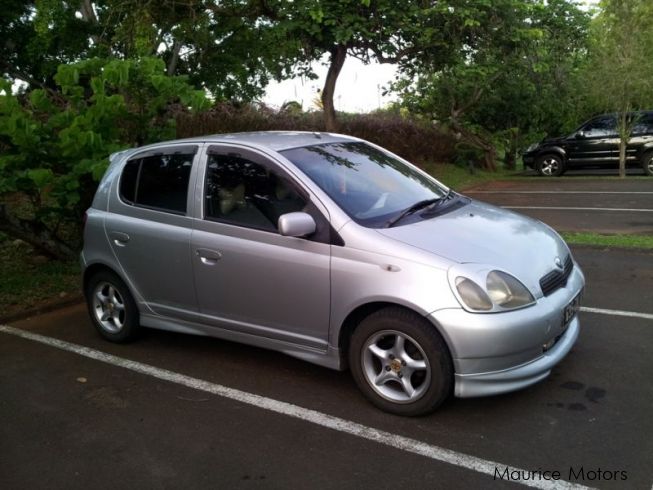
x,y
370,185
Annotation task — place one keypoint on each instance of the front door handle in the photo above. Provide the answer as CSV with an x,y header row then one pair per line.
x,y
119,238
207,256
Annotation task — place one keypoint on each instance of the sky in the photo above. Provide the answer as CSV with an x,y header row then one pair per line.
x,y
358,89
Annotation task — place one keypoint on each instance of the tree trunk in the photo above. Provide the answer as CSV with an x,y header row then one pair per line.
x,y
477,141
174,59
622,157
511,151
88,14
37,235
338,55
624,136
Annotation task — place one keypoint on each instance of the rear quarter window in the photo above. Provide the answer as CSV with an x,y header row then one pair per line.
x,y
158,181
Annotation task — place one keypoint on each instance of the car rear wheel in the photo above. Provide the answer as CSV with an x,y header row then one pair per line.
x,y
112,307
550,166
400,362
647,163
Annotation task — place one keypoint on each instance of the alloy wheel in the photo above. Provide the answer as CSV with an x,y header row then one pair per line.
x,y
108,307
550,166
396,366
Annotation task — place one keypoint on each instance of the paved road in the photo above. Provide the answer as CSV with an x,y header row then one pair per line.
x,y
67,421
612,206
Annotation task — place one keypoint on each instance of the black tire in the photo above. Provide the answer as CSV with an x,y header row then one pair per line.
x,y
422,344
550,166
122,323
647,163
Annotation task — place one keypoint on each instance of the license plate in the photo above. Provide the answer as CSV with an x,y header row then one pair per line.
x,y
570,310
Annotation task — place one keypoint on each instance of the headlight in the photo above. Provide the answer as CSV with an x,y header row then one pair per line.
x,y
532,147
472,294
501,291
506,291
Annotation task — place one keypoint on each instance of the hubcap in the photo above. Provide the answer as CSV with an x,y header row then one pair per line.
x,y
395,366
550,166
109,307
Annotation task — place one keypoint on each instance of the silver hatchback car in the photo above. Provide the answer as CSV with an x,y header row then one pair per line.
x,y
333,250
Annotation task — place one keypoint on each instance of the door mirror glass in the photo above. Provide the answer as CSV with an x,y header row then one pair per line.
x,y
296,224
580,135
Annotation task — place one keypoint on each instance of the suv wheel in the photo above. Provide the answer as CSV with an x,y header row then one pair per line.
x,y
550,166
112,307
400,362
647,163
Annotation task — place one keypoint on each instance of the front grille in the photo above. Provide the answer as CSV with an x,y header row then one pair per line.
x,y
557,278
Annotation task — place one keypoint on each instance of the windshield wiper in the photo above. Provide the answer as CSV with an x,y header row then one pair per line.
x,y
412,209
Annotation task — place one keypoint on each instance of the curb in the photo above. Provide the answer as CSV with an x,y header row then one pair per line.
x,y
46,307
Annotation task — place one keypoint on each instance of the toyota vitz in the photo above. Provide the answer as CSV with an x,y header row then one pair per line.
x,y
333,250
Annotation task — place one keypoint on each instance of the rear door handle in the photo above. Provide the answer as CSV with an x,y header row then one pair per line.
x,y
207,256
119,238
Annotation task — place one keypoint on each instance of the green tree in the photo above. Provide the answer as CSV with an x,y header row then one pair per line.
x,y
511,82
387,31
619,74
55,144
221,46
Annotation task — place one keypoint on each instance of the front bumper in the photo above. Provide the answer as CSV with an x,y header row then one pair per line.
x,y
502,352
494,383
529,160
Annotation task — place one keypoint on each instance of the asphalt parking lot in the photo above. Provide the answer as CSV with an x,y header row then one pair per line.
x,y
610,205
162,412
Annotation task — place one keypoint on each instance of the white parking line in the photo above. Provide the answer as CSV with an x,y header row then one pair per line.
x,y
556,192
580,209
603,311
485,467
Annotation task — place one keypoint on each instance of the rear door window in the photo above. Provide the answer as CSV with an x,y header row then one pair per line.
x,y
644,125
158,179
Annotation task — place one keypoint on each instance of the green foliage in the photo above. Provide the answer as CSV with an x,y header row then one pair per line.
x,y
56,143
513,80
221,46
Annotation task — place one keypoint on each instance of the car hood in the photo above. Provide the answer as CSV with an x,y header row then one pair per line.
x,y
484,234
553,141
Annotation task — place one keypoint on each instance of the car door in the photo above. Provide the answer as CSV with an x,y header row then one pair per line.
x,y
149,227
248,277
641,139
596,143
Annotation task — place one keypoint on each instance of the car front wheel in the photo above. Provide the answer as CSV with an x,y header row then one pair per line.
x,y
550,166
111,307
400,362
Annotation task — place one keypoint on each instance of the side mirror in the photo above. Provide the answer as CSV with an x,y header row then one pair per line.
x,y
580,135
296,224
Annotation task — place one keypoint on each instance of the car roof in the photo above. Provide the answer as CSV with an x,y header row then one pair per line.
x,y
273,140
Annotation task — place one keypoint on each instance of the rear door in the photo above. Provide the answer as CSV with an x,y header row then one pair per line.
x,y
248,277
641,139
149,228
596,143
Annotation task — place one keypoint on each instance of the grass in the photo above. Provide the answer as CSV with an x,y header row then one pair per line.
x,y
619,241
28,281
459,178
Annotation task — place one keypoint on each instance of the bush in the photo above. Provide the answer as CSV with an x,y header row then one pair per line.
x,y
414,140
55,143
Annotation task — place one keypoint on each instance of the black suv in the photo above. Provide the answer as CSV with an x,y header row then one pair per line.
x,y
594,144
